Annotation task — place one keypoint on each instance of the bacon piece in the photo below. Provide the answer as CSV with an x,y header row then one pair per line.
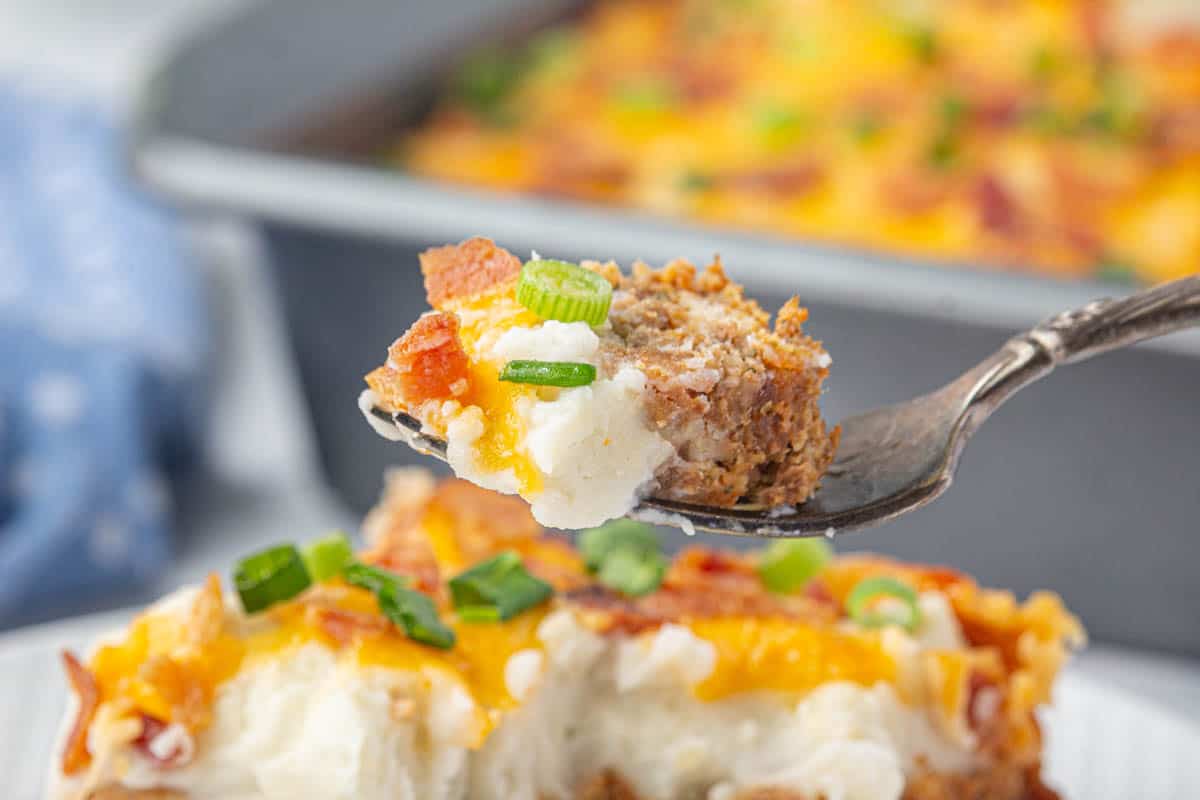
x,y
998,210
466,269
152,728
789,180
346,626
701,584
426,363
75,756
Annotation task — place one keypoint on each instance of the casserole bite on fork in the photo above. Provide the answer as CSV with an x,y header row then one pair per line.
x,y
582,389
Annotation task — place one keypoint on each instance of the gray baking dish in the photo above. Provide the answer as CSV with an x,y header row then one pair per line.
x,y
1086,483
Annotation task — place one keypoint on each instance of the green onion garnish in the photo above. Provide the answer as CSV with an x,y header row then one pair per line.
x,y
487,79
631,572
779,125
325,558
272,576
548,373
410,610
876,602
374,579
787,565
865,128
646,96
1116,272
417,615
596,544
497,589
693,181
624,555
923,41
564,291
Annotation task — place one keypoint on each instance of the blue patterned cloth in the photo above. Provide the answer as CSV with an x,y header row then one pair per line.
x,y
103,342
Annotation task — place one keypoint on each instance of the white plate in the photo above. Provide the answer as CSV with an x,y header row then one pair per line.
x,y
1104,743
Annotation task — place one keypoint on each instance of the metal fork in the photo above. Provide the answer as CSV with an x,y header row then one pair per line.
x,y
899,458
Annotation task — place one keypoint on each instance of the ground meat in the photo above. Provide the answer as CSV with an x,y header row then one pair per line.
x,y
737,399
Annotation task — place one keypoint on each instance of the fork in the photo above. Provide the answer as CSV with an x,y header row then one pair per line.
x,y
896,459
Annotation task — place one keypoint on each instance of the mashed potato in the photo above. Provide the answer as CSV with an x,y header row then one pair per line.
x,y
592,449
308,724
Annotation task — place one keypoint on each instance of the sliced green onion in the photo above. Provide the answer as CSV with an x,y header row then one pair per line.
x,y
596,544
787,565
646,96
864,128
410,610
952,109
548,373
876,602
943,150
624,555
779,125
564,291
374,579
1116,272
325,558
497,589
487,79
693,181
923,41
272,576
632,572
417,615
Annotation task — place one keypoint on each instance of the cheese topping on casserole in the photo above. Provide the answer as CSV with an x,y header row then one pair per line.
x,y
709,684
1056,135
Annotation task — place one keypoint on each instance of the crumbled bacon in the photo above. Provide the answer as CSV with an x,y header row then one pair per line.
x,y
466,269
344,627
75,755
426,363
998,210
700,584
788,180
152,728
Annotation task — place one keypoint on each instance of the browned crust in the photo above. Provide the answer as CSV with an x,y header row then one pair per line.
x,y
736,398
998,782
75,755
466,269
114,792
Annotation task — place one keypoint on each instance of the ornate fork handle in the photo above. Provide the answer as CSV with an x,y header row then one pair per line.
x,y
1110,324
1071,336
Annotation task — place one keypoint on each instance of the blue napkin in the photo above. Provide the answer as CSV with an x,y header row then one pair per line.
x,y
103,345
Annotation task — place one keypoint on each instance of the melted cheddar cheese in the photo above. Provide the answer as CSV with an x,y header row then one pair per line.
x,y
1038,134
483,319
782,655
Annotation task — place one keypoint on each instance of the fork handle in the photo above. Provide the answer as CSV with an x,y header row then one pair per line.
x,y
1071,336
1110,324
